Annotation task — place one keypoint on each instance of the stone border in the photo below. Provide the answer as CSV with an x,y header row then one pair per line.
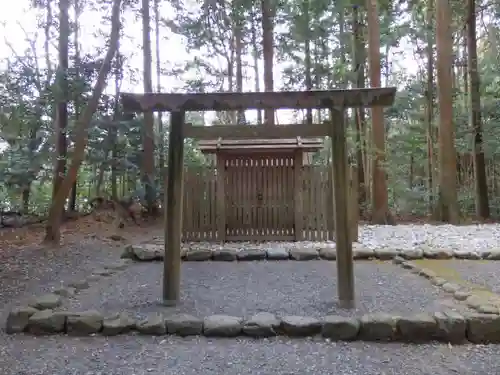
x,y
447,327
473,298
152,252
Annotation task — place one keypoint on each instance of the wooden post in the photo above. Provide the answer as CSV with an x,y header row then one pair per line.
x,y
298,202
345,266
174,198
330,203
221,198
354,205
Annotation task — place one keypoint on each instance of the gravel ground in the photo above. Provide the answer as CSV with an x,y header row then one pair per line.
x,y
125,355
245,288
30,271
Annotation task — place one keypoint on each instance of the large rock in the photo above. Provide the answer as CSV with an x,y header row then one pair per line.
x,y
483,328
386,254
451,327
428,274
262,324
412,254
251,254
417,328
46,302
149,252
46,322
117,324
84,323
65,291
198,255
442,253
466,254
300,326
184,325
328,253
224,255
222,326
128,253
493,254
378,327
340,328
18,318
451,287
361,252
304,254
154,324
277,253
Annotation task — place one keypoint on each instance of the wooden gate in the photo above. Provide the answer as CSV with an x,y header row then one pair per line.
x,y
259,197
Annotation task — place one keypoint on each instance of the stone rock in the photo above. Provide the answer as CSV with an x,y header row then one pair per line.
x,y
340,328
65,291
184,325
84,322
417,328
328,253
437,253
93,278
492,254
409,266
362,253
474,301
385,254
300,326
277,253
46,322
451,327
461,295
378,327
466,254
398,259
428,274
128,253
102,272
149,252
483,328
224,255
18,318
222,326
117,324
412,254
154,324
198,255
450,287
46,302
438,281
251,254
262,324
302,254
488,309
79,284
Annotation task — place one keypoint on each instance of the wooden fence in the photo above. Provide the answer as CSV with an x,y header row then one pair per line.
x,y
200,216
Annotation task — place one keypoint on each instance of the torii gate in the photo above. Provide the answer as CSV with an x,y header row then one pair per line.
x,y
334,100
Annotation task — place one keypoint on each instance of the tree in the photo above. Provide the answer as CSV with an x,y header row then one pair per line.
x,y
448,203
52,230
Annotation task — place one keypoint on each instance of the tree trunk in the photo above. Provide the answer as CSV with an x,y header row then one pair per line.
x,y
148,143
307,57
161,143
429,107
380,204
268,51
255,56
482,202
448,210
52,230
62,98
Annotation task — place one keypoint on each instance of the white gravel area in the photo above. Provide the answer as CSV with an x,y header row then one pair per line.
x,y
480,238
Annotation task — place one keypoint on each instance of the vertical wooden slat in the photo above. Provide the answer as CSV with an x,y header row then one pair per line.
x,y
353,205
221,198
298,203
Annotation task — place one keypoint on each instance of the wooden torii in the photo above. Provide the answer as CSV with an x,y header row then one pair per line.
x,y
337,101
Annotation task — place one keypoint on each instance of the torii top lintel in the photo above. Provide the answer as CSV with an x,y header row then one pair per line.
x,y
229,101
